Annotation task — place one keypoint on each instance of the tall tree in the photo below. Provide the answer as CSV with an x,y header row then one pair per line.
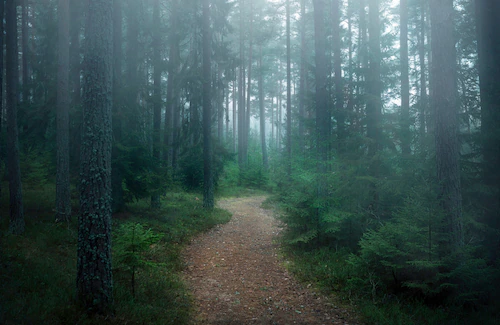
x,y
241,92
24,46
155,197
337,69
262,113
208,182
303,73
94,278
489,75
12,76
63,194
2,8
117,173
288,93
405,79
75,57
423,82
248,114
445,106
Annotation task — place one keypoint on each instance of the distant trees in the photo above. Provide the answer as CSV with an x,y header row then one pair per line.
x,y
94,278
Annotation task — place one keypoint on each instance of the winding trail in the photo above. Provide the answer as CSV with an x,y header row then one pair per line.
x,y
236,277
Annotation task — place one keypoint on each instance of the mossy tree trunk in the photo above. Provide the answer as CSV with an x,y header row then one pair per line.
x,y
94,277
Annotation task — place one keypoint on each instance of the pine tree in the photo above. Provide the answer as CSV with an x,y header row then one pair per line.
x,y
17,223
208,182
94,278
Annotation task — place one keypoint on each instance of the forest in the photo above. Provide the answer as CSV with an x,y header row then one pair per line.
x,y
368,129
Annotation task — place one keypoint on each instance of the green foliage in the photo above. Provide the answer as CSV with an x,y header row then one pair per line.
x,y
142,174
130,242
37,282
191,165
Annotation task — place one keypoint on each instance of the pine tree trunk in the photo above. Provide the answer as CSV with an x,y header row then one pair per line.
x,y
405,80
11,73
2,15
288,93
155,197
337,69
423,83
208,185
489,73
25,31
75,74
241,92
445,105
63,194
303,74
262,113
117,174
94,277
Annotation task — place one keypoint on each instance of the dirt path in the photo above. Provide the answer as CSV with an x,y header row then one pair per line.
x,y
236,277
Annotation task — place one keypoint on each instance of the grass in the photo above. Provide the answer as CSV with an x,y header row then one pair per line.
x,y
38,269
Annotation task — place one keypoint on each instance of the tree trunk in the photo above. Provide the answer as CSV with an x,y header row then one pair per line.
x,y
337,69
208,185
489,73
117,173
423,83
63,194
405,80
445,106
75,27
25,31
17,224
241,99
2,15
262,113
155,197
303,73
94,277
248,114
288,94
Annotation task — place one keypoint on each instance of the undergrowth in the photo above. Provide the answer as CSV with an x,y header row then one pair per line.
x,y
38,269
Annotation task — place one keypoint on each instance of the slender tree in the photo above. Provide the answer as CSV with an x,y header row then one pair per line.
x,y
338,80
405,79
262,113
26,54
2,8
12,76
75,57
208,182
94,278
155,197
445,106
423,82
63,194
117,173
288,93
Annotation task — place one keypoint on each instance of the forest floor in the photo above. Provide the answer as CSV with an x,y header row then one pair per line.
x,y
237,276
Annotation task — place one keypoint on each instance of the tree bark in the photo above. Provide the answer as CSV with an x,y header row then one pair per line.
x,y
423,82
288,93
405,80
155,197
63,194
262,113
208,185
489,73
17,223
337,69
24,45
94,278
445,105
2,15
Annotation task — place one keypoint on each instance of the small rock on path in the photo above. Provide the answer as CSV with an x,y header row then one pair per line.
x,y
236,276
